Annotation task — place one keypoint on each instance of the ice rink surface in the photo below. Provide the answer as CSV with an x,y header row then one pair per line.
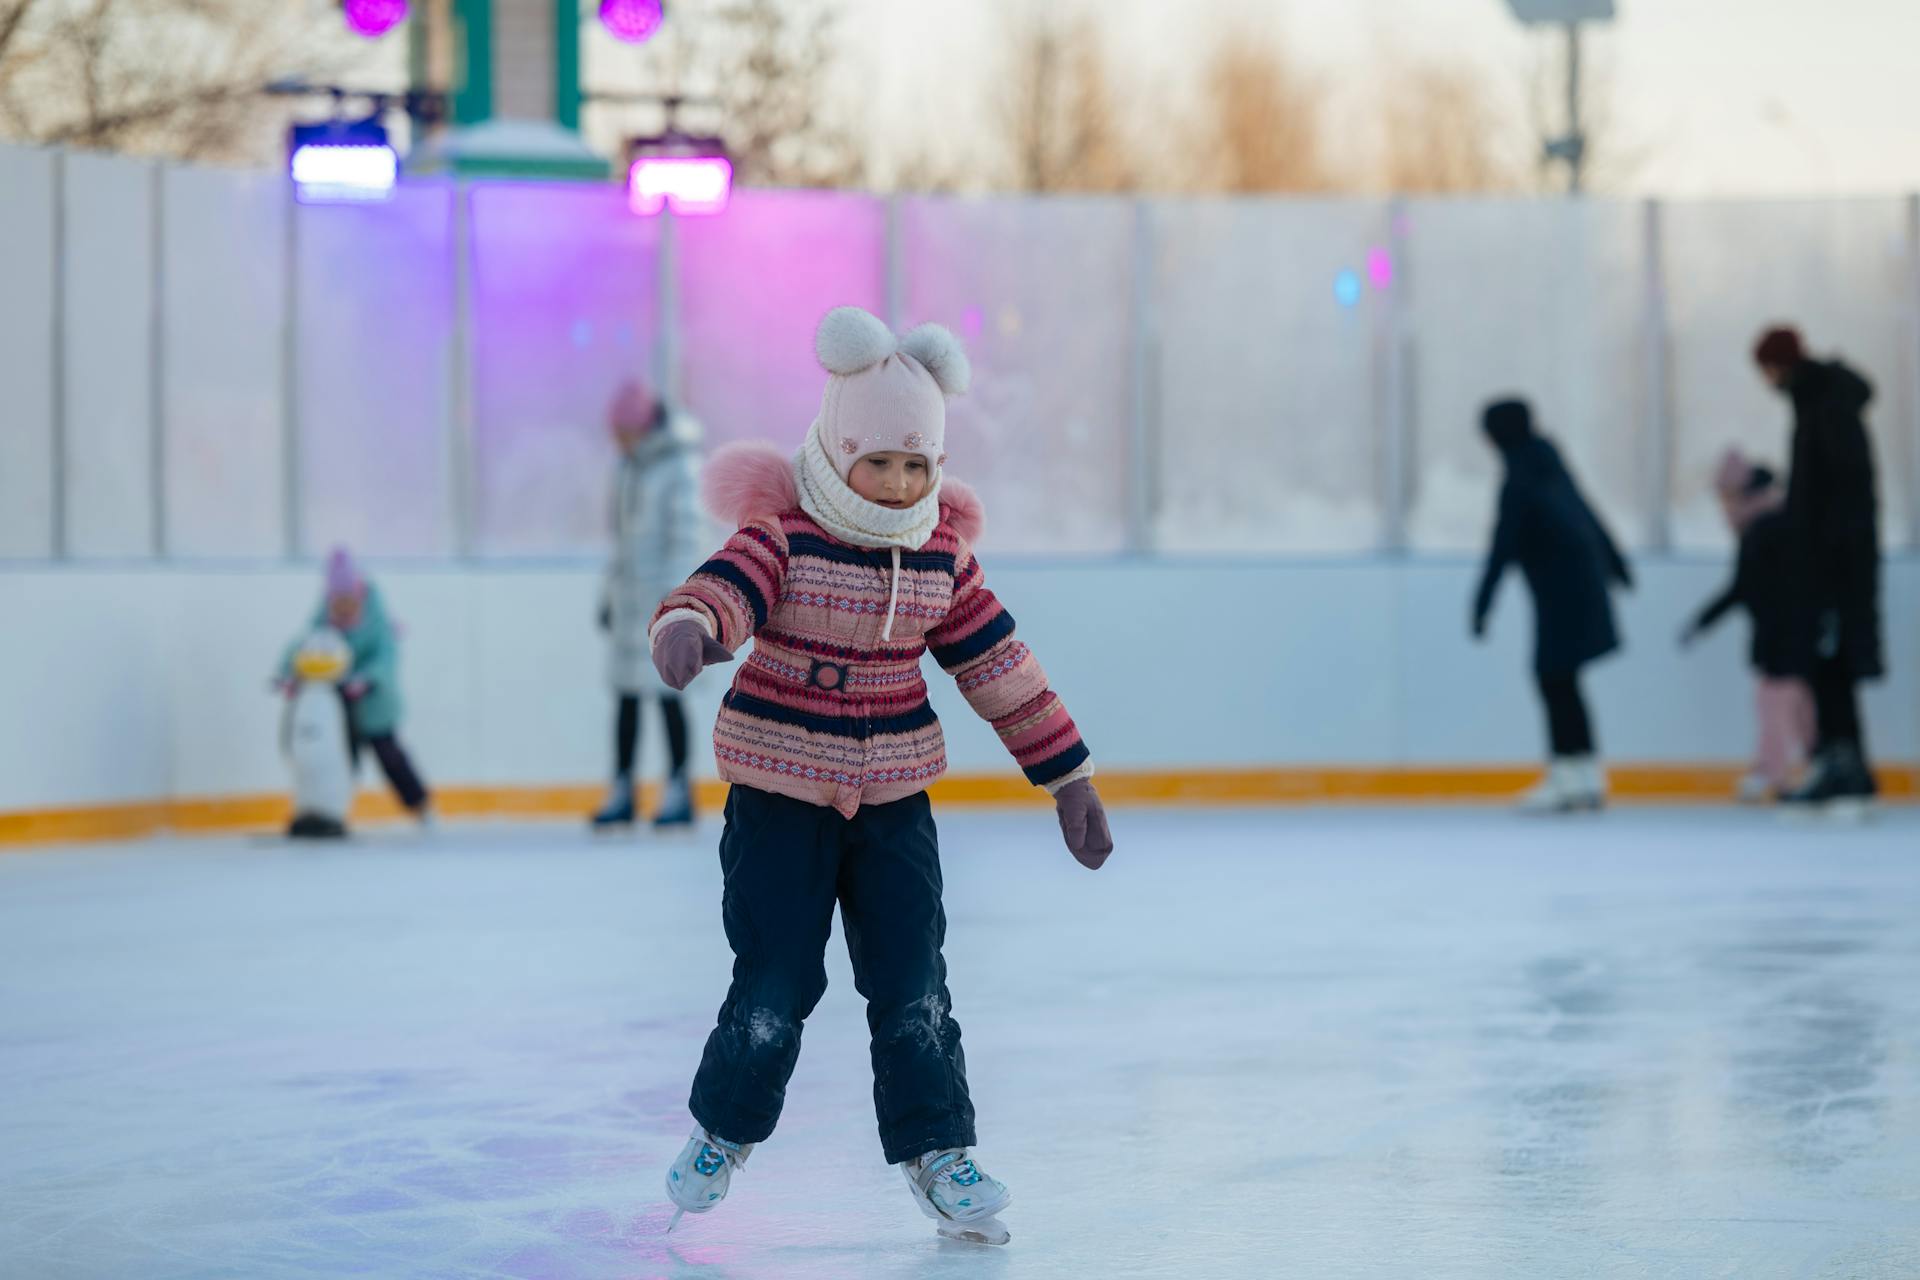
x,y
1301,1043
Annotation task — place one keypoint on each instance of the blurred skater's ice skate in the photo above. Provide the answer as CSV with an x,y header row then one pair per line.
x,y
1574,784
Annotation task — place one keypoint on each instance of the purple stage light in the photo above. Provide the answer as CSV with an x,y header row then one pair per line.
x,y
373,18
330,171
689,185
633,21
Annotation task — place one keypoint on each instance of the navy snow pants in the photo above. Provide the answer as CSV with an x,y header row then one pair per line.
x,y
785,864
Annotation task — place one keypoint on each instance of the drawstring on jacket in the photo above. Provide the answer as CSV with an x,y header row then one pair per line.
x,y
893,597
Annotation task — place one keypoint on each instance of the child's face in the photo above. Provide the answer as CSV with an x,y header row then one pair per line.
x,y
344,611
891,479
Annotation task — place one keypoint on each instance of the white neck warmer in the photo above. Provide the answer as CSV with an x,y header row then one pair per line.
x,y
849,517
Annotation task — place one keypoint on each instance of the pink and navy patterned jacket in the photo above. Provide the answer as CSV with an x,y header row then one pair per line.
x,y
824,710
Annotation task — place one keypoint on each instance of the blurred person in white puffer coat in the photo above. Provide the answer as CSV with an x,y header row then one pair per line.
x,y
659,536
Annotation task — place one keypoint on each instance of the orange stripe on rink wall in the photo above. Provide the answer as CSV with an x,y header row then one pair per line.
x,y
1642,783
93,822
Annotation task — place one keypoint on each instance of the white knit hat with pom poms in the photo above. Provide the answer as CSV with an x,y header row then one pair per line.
x,y
886,393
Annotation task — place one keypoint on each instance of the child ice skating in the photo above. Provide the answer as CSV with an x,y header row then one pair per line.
x,y
1569,561
852,559
352,606
1754,503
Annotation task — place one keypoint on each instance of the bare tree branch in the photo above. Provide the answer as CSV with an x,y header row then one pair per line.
x,y
1440,133
162,77
766,65
1263,121
1058,124
13,17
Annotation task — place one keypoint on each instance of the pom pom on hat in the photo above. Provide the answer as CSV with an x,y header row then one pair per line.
x,y
850,340
943,357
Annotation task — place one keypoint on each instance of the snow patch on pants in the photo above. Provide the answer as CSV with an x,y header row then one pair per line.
x,y
925,1020
765,1027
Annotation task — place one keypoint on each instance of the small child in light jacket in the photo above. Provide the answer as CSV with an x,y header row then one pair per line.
x,y
353,606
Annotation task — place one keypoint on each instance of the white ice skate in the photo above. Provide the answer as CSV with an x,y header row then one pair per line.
x,y
698,1180
1593,782
959,1196
1573,784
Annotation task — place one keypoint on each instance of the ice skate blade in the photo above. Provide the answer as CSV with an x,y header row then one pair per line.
x,y
1564,809
1845,812
987,1230
1849,812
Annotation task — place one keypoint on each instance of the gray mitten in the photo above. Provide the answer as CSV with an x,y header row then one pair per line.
x,y
682,650
1083,821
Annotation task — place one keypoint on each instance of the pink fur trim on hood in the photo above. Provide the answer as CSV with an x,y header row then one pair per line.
x,y
742,481
961,507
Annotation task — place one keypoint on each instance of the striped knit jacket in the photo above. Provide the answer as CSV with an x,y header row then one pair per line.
x,y
825,711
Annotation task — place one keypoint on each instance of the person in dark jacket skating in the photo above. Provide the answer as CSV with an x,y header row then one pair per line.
x,y
1833,527
1754,501
1568,559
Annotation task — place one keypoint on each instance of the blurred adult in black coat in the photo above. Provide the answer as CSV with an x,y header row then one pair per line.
x,y
1569,561
1833,533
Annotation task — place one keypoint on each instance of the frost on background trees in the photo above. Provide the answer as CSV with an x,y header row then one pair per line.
x,y
180,78
757,72
1055,112
1441,133
1262,121
1238,112
1241,112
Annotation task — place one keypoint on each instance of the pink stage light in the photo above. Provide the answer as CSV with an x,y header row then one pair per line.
x,y
373,18
689,185
1380,268
633,21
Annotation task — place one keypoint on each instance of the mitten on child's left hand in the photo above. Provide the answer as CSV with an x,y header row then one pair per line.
x,y
1083,821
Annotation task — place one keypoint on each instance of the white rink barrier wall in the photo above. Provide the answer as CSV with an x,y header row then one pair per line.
x,y
148,686
197,367
1228,447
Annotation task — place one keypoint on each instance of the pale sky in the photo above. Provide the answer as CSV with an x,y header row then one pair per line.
x,y
1720,97
1712,97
